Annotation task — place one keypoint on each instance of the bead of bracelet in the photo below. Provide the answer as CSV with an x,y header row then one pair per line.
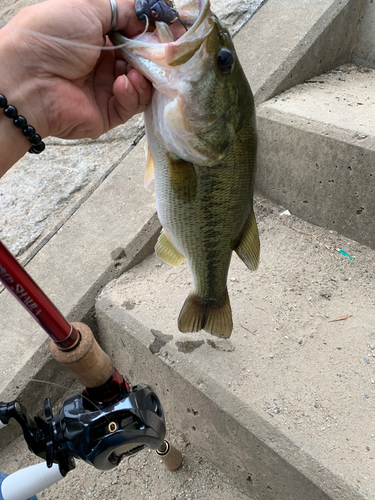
x,y
10,111
20,121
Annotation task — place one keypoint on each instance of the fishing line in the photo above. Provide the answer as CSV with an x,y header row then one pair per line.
x,y
47,382
69,43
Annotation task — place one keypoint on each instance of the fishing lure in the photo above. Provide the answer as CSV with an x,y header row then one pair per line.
x,y
149,11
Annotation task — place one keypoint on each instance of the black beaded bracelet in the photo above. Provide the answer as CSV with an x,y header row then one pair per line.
x,y
37,145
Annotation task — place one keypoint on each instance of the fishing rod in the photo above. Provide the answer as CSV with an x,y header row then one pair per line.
x,y
101,425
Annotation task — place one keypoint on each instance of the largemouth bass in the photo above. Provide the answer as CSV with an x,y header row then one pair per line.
x,y
201,134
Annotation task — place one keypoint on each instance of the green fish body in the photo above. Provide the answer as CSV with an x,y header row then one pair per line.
x,y
201,134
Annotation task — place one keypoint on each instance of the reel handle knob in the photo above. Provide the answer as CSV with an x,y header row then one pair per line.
x,y
170,456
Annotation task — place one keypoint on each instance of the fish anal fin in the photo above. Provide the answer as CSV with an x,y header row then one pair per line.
x,y
167,252
149,172
216,318
249,247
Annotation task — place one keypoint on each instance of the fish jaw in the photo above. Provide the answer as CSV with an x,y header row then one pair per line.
x,y
156,60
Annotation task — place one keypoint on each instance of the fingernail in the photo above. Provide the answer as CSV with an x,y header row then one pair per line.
x,y
128,86
142,82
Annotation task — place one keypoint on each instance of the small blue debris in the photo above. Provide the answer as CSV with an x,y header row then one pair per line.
x,y
344,253
367,396
367,361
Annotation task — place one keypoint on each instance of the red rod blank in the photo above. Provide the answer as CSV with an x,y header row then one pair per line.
x,y
35,301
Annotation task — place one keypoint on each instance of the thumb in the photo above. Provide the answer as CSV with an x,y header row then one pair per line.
x,y
131,95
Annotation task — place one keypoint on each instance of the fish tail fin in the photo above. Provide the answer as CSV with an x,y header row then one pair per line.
x,y
219,318
215,318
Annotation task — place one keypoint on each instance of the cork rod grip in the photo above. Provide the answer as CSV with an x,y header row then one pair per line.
x,y
89,363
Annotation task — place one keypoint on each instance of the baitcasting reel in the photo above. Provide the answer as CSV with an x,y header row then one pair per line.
x,y
100,434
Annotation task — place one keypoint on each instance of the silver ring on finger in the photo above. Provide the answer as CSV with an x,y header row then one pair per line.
x,y
114,12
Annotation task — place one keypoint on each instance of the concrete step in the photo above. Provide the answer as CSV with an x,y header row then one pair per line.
x,y
317,151
287,42
75,254
286,405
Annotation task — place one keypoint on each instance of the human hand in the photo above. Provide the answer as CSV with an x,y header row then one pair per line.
x,y
62,86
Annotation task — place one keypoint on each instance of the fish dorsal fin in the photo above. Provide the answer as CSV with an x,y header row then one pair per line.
x,y
149,173
249,246
167,252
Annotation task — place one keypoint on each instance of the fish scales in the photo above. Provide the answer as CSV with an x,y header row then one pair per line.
x,y
208,245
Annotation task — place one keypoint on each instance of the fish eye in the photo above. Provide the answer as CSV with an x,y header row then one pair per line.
x,y
225,61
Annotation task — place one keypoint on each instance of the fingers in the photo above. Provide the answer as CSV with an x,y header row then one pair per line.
x,y
132,95
142,86
128,21
121,67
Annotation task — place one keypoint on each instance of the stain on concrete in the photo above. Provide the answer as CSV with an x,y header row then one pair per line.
x,y
118,253
189,346
224,345
160,341
128,304
195,413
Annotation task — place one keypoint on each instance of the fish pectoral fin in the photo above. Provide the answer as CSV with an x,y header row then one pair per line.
x,y
183,179
149,172
167,252
215,319
249,247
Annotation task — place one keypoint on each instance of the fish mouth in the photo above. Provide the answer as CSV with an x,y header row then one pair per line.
x,y
168,46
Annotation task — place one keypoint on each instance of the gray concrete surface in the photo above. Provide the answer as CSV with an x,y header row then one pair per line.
x,y
364,47
289,399
288,42
317,151
74,262
38,195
